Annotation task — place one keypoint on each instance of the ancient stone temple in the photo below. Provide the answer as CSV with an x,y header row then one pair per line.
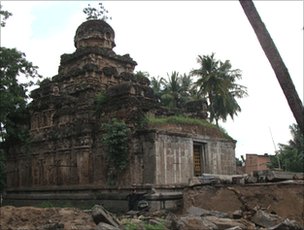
x,y
66,155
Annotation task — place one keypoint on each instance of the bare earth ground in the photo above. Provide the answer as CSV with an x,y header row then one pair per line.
x,y
286,200
30,218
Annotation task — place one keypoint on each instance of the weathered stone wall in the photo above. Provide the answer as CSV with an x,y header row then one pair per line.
x,y
221,157
174,160
173,157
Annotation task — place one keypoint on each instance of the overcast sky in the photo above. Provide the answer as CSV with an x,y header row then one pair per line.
x,y
166,36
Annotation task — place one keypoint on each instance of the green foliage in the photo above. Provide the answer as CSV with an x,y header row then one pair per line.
x,y
291,157
238,162
143,225
93,13
14,115
130,226
100,100
116,140
46,204
141,74
217,83
176,90
141,121
13,93
159,226
156,85
184,120
5,14
178,120
142,77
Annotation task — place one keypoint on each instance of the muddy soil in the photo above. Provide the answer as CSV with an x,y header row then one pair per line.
x,y
285,200
31,218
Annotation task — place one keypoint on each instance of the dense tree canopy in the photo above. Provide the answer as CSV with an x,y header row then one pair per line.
x,y
16,75
290,157
216,83
13,93
174,91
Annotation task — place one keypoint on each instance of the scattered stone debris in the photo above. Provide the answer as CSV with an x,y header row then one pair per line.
x,y
255,177
32,218
101,215
29,218
197,218
264,219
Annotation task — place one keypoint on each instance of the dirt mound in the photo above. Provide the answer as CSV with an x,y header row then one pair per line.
x,y
31,218
285,200
210,206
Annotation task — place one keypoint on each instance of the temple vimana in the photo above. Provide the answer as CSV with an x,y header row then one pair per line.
x,y
67,156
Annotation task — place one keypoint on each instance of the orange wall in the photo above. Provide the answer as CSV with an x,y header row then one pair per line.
x,y
255,162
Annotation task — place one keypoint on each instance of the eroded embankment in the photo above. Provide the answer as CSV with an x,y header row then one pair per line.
x,y
284,199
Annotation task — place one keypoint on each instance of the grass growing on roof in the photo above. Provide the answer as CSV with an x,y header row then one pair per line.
x,y
184,120
179,120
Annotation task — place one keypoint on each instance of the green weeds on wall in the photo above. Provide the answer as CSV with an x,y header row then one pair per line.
x,y
100,100
116,141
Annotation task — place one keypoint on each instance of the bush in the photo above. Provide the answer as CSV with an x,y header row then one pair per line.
x,y
116,140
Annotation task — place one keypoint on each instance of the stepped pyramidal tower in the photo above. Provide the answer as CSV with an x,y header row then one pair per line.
x,y
66,155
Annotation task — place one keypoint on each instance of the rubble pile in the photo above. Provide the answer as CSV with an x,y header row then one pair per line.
x,y
98,218
32,218
271,206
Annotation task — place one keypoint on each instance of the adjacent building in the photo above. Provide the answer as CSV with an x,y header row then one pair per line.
x,y
255,162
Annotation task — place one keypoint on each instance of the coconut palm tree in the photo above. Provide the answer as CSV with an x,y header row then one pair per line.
x,y
276,61
172,90
186,88
156,85
217,83
176,90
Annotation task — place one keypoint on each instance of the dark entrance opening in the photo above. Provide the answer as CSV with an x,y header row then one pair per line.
x,y
199,158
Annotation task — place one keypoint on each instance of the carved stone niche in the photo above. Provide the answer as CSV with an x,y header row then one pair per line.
x,y
83,141
109,71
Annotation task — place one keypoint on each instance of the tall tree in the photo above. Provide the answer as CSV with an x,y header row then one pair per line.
x,y
13,97
176,90
156,85
275,60
171,92
217,83
186,88
13,93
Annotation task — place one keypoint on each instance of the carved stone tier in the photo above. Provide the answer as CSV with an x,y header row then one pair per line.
x,y
67,147
94,33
